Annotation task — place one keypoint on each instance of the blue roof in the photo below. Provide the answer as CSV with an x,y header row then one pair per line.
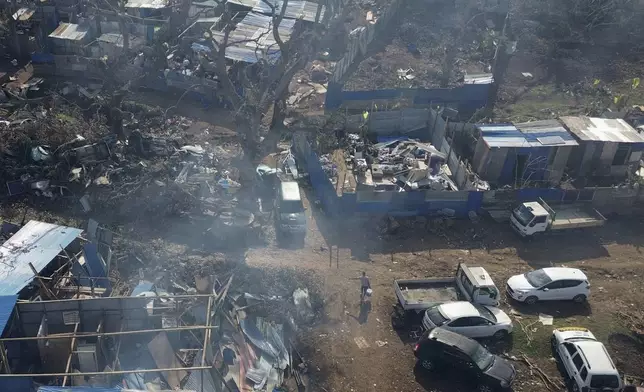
x,y
7,303
546,133
37,243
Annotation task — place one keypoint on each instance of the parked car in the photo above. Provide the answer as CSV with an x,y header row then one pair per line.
x,y
586,362
469,283
442,349
468,319
548,284
290,218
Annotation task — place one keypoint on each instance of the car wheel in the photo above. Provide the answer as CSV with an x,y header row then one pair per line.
x,y
579,298
427,364
575,387
531,300
485,388
500,334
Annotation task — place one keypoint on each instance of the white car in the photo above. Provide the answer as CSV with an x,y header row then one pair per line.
x,y
548,284
585,360
468,319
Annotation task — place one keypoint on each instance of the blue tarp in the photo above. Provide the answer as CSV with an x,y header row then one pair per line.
x,y
7,303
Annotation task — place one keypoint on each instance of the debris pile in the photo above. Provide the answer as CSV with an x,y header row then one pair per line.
x,y
254,343
398,165
57,153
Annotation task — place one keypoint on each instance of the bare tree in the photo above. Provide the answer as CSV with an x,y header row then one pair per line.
x,y
265,83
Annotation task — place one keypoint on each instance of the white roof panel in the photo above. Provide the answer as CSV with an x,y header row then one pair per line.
x,y
602,129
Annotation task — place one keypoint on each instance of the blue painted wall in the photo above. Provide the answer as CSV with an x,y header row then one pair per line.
x,y
466,98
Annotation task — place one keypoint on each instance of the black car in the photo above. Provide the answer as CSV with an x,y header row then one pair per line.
x,y
440,348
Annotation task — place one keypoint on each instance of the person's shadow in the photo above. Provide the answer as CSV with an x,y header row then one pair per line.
x,y
365,308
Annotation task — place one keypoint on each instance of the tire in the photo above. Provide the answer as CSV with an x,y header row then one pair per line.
x,y
579,299
575,387
485,388
531,300
500,334
427,364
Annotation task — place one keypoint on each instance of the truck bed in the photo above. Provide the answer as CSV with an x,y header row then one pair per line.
x,y
420,294
577,217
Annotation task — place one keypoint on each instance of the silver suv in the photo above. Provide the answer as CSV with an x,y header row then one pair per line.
x,y
585,360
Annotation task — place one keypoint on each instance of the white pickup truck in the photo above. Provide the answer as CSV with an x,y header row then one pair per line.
x,y
536,217
472,284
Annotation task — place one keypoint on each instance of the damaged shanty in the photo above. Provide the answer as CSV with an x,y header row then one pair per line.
x,y
47,261
153,340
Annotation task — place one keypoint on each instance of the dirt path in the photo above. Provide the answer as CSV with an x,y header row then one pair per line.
x,y
351,354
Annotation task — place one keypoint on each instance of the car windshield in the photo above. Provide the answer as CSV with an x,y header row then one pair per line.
x,y
485,312
523,215
601,381
435,316
537,278
482,357
291,206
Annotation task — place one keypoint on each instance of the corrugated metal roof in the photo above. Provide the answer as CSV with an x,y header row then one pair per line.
x,y
295,9
36,243
154,4
24,14
243,3
7,303
113,38
253,38
602,129
70,31
484,78
534,134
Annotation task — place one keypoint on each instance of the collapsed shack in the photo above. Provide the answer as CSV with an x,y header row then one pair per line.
x,y
225,340
46,261
401,165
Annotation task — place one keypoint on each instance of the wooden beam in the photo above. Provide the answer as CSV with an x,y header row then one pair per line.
x,y
42,284
207,332
110,372
93,334
118,349
5,360
71,353
185,296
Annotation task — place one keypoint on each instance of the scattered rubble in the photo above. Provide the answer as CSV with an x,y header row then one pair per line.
x,y
397,165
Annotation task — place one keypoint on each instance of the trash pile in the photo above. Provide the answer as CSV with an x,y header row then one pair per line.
x,y
398,165
157,168
251,346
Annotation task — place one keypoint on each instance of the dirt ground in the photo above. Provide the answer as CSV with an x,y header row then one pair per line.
x,y
611,257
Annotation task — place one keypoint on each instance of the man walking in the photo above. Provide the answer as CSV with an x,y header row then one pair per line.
x,y
364,285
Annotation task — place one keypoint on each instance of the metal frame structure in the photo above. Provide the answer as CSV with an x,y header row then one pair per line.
x,y
215,302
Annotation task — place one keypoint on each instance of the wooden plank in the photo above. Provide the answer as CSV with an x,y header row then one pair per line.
x,y
71,353
164,357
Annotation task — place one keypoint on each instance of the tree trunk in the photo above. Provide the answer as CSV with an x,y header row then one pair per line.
x,y
279,114
448,65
